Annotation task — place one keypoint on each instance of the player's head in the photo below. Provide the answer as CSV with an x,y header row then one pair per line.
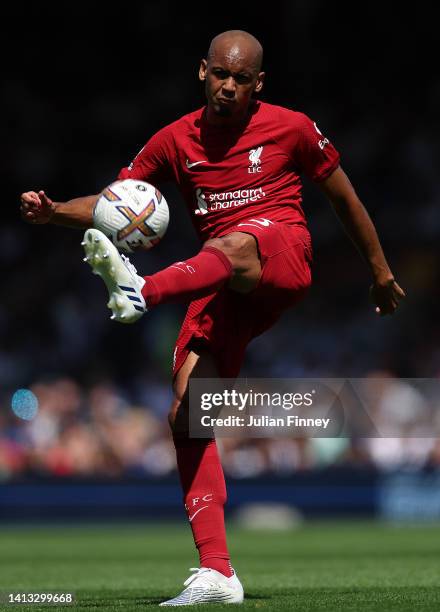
x,y
232,73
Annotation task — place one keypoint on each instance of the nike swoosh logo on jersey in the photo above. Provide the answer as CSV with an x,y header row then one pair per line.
x,y
195,513
192,164
264,222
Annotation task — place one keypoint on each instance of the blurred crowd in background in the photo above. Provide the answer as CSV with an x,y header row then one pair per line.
x,y
106,432
77,115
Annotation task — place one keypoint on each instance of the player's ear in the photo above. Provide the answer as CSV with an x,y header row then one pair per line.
x,y
203,69
260,82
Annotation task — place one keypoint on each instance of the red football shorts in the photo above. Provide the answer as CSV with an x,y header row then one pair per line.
x,y
226,321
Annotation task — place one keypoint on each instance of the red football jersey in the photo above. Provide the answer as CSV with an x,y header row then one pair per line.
x,y
229,174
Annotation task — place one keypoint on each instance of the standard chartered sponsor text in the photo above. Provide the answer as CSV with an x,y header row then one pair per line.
x,y
229,199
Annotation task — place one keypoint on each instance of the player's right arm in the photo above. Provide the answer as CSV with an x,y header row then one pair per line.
x,y
152,164
37,208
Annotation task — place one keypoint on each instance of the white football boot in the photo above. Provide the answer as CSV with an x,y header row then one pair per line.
x,y
208,586
120,276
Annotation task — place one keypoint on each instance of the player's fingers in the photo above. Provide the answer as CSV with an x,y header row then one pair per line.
x,y
386,307
30,196
49,205
44,199
390,308
32,205
29,213
382,311
30,216
24,209
394,300
398,291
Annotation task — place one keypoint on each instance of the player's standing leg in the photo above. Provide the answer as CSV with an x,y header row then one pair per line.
x,y
204,491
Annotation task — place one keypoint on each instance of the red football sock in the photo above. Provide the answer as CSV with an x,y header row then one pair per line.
x,y
204,493
188,280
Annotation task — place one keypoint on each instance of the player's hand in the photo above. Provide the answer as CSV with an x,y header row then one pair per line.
x,y
36,207
386,295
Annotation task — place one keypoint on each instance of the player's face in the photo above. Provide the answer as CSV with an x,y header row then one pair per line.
x,y
231,77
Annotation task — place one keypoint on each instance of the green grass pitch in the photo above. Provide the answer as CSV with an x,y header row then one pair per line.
x,y
325,567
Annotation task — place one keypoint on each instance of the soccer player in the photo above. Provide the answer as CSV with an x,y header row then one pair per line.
x,y
237,162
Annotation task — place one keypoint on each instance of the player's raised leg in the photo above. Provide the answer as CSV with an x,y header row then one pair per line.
x,y
232,258
204,490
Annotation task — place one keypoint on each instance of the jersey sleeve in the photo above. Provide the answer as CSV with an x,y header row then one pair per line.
x,y
154,161
309,149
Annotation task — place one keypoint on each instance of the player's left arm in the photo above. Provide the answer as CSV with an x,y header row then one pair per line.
x,y
385,292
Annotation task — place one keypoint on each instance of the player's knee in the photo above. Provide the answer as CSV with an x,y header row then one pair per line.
x,y
175,406
172,417
178,414
239,248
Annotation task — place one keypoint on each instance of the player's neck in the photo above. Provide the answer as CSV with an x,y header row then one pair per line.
x,y
233,121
